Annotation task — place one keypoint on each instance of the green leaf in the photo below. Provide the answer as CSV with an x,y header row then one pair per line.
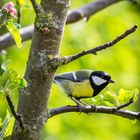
x,y
9,128
14,32
111,98
22,83
13,75
2,91
13,86
26,6
5,64
3,79
5,126
0,122
21,2
97,100
125,95
107,99
106,103
136,92
18,26
5,17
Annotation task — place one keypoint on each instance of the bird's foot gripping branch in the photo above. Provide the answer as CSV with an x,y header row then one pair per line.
x,y
112,104
83,84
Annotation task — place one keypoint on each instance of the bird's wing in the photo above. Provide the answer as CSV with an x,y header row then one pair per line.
x,y
76,76
64,76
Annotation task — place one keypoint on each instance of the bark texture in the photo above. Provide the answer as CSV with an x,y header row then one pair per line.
x,y
39,74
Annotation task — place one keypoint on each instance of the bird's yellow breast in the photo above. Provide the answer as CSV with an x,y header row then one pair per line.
x,y
78,89
82,89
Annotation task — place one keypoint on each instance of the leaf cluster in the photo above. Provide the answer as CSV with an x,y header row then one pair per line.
x,y
110,98
6,19
9,78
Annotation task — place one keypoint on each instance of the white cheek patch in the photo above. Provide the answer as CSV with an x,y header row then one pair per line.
x,y
98,81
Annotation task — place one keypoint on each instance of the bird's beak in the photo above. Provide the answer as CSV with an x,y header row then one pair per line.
x,y
111,81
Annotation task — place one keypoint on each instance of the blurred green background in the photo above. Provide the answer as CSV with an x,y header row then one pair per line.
x,y
121,61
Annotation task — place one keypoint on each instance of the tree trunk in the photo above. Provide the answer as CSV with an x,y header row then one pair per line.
x,y
39,73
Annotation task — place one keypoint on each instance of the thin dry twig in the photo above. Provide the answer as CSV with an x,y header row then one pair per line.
x,y
67,59
16,115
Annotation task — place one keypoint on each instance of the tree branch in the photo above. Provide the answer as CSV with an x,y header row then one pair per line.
x,y
16,115
73,16
98,109
89,9
35,6
6,40
67,59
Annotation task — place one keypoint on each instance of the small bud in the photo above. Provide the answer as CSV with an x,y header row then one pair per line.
x,y
9,7
10,4
13,11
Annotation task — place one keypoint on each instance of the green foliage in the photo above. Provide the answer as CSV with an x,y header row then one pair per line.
x,y
6,126
10,82
121,61
6,19
110,98
126,95
22,83
14,32
9,78
21,2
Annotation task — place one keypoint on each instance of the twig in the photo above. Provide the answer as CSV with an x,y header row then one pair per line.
x,y
12,108
36,7
67,59
96,109
19,16
19,7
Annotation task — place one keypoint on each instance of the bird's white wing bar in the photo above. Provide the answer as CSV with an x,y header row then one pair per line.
x,y
74,76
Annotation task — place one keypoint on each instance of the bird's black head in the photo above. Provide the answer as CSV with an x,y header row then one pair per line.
x,y
99,80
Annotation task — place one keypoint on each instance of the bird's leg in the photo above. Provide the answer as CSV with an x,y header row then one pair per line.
x,y
85,104
77,102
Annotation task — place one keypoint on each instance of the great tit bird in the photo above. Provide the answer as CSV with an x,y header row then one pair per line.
x,y
83,84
